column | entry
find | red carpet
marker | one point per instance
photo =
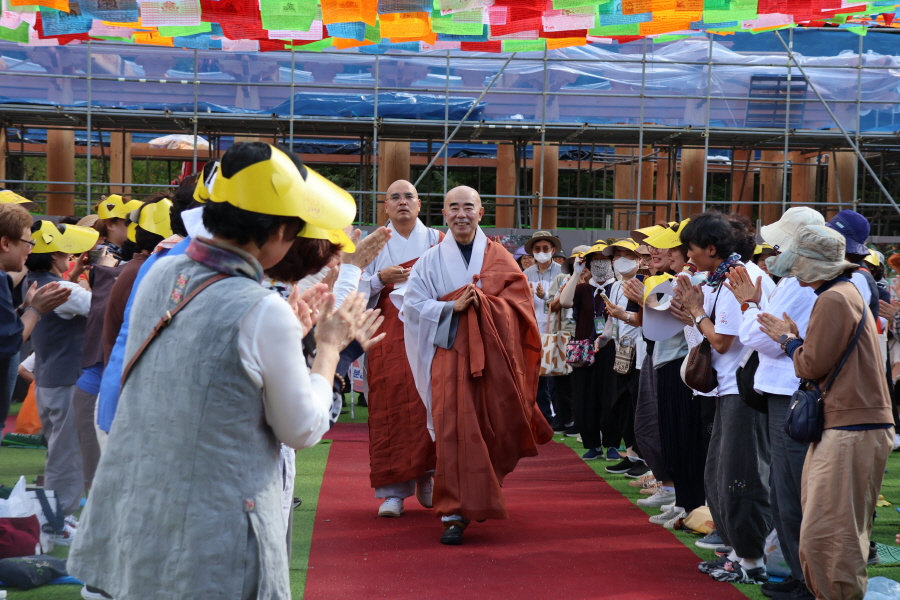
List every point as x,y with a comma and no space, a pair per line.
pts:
570,535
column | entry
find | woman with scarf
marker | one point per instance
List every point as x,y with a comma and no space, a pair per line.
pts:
593,386
737,465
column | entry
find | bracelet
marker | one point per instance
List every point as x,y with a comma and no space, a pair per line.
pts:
628,318
36,311
341,379
378,274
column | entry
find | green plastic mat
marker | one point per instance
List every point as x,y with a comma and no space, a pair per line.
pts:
21,440
889,555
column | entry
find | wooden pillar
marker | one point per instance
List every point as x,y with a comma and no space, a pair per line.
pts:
120,162
771,186
663,174
506,186
803,179
60,167
647,191
841,171
3,154
691,188
551,186
393,164
624,180
742,183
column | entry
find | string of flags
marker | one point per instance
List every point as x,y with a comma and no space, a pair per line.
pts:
417,25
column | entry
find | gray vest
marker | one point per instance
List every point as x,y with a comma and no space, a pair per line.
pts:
186,502
58,343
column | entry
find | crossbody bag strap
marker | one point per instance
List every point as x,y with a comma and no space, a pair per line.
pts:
859,330
166,320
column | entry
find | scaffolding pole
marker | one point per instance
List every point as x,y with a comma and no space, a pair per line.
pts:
846,135
540,194
640,161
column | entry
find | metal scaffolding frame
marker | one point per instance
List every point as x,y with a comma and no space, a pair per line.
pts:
378,128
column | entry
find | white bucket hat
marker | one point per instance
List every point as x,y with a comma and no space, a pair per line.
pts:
780,233
815,254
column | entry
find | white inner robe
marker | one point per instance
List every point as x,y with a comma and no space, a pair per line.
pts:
438,272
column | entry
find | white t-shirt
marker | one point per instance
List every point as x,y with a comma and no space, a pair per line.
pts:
727,322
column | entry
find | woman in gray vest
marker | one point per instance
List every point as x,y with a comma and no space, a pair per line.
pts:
186,499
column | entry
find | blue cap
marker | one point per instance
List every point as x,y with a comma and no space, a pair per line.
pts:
854,227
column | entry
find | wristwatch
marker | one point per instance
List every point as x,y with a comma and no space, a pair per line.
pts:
785,339
746,305
698,320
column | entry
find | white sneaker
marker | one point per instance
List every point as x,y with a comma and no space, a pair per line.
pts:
896,441
660,498
664,516
70,528
392,507
92,593
424,492
670,524
667,507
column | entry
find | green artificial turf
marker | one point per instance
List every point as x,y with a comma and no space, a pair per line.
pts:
887,523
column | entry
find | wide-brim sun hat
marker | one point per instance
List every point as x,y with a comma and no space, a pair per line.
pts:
667,237
816,254
780,233
543,235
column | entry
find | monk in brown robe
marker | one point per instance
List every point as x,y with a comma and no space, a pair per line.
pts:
401,453
474,348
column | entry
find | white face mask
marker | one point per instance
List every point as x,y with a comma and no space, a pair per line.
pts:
624,265
543,257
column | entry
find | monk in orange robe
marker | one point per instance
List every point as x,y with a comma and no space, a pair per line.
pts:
401,453
474,349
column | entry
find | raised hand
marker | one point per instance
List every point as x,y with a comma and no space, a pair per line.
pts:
337,328
743,288
367,249
370,325
48,297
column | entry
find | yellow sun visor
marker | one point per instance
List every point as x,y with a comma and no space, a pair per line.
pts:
155,218
667,237
10,197
627,243
71,239
659,322
276,187
335,236
201,189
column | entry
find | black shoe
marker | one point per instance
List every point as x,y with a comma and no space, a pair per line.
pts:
874,559
638,469
708,566
621,467
785,587
296,503
89,592
559,427
723,550
798,593
452,535
572,432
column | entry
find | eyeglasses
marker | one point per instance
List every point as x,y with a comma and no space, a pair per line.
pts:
29,242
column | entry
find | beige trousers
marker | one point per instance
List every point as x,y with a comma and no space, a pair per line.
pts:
841,481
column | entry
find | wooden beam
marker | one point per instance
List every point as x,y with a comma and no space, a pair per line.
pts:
803,178
120,162
771,186
841,169
551,186
742,183
393,164
506,186
691,188
60,167
663,179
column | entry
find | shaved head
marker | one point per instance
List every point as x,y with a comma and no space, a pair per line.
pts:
402,203
463,211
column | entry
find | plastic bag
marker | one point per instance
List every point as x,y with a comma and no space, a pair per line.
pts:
882,588
18,504
775,563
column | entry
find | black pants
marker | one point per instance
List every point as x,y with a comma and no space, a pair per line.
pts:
646,421
626,397
681,434
593,392
544,395
737,477
562,398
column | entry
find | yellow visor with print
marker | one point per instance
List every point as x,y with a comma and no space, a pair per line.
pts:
71,239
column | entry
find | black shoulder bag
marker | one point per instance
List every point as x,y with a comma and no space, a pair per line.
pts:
806,418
